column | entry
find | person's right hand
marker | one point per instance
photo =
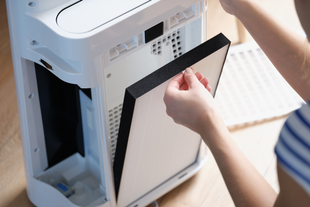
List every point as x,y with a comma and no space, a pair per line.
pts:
189,103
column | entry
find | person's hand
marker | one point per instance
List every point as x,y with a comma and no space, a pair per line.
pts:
204,81
189,102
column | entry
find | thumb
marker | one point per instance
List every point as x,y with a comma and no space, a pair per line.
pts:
190,77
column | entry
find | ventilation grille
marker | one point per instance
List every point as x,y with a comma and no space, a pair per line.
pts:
173,39
251,88
171,23
157,46
114,122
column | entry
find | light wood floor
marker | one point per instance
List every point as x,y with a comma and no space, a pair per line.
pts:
207,188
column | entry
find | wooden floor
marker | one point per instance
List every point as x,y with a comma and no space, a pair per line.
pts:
207,188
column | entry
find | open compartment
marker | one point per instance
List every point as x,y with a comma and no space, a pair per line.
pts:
71,151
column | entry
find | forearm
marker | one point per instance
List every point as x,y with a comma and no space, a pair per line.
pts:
245,184
284,48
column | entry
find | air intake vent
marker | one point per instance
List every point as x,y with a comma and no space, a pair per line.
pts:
114,121
174,39
176,44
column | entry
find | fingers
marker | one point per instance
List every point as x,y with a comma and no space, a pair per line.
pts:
176,82
199,76
184,86
183,81
173,87
190,78
205,83
209,88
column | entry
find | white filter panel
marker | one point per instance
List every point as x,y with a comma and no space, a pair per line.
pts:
151,147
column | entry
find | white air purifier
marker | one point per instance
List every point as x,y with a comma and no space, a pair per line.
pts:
85,142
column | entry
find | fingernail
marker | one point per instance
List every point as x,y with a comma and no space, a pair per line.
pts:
189,70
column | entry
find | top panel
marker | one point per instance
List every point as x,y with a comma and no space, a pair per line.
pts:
85,16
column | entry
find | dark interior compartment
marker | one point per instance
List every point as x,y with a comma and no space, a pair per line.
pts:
61,116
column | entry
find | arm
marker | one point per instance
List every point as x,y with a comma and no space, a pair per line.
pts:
286,50
195,108
245,184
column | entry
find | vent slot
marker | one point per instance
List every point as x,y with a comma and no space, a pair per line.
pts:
176,44
174,39
157,46
114,121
